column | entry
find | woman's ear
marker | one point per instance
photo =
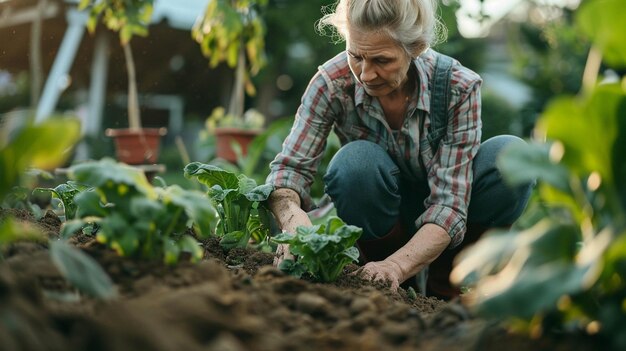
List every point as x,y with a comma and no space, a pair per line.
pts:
418,49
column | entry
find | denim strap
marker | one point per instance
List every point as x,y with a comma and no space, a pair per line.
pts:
439,100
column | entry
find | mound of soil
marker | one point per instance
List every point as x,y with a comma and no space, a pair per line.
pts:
229,301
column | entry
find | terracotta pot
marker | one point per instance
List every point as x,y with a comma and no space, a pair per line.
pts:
225,137
137,146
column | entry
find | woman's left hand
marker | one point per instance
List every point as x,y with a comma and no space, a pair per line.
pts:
384,271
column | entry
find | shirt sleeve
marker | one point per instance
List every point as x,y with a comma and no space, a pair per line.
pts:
450,173
295,166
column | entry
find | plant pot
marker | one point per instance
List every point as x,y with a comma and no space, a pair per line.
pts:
137,146
225,137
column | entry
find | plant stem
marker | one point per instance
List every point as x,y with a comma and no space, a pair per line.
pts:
134,119
235,106
170,227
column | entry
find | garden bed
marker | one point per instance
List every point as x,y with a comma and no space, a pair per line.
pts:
234,301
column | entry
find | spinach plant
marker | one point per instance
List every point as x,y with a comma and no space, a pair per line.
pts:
323,250
239,202
563,266
135,218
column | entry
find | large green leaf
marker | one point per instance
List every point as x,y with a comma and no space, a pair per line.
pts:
81,270
112,177
603,21
43,146
525,163
211,175
534,290
523,273
587,128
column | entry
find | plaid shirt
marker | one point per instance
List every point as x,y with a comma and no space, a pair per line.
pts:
334,98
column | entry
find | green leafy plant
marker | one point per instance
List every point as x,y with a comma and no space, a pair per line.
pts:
64,194
128,18
232,31
40,147
323,250
135,218
239,202
563,267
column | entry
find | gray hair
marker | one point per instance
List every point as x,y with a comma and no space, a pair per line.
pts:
413,24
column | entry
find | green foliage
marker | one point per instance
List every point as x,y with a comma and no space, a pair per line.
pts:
229,26
127,17
135,218
82,271
38,146
65,193
564,267
41,146
549,57
323,250
238,200
605,33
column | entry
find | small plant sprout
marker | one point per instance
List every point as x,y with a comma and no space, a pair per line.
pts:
323,250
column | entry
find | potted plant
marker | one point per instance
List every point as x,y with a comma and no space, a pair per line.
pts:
232,32
135,144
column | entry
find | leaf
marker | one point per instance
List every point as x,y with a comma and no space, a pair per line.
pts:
352,253
81,270
37,146
526,163
534,291
69,228
88,204
211,175
192,246
197,207
260,193
587,128
216,193
603,21
234,239
108,175
292,268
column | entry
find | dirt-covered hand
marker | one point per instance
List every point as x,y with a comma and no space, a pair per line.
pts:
282,253
384,271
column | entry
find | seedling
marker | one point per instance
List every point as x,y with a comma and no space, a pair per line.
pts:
323,250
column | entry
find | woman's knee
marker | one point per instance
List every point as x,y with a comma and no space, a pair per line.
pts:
361,165
493,201
363,182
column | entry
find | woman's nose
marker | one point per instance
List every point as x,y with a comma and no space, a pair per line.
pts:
368,73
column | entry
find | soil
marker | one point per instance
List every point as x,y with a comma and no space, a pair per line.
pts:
229,301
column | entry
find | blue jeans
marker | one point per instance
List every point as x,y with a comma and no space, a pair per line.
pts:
369,191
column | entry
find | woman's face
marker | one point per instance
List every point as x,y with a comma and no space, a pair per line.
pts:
377,62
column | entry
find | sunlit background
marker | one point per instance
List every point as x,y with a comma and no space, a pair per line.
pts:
525,50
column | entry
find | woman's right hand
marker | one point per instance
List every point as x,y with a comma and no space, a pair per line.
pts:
282,253
285,205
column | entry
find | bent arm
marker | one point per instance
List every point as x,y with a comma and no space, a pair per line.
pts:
423,248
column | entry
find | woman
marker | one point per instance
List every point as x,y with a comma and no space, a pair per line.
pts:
411,159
